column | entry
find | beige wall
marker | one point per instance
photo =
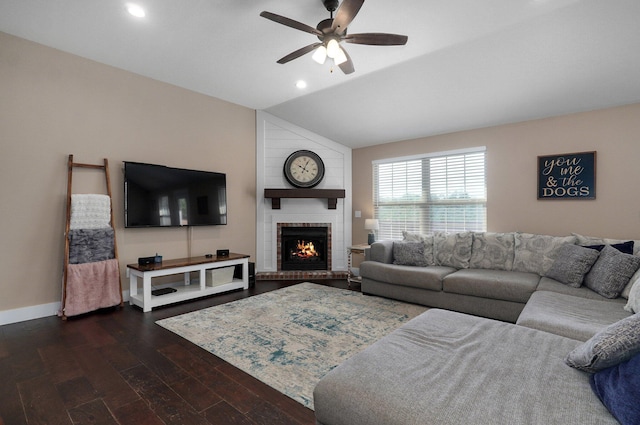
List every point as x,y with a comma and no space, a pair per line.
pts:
512,152
53,104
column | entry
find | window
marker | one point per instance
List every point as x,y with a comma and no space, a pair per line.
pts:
430,193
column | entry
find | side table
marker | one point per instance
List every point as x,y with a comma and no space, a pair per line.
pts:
354,249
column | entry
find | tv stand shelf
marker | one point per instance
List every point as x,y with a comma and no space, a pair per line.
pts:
185,290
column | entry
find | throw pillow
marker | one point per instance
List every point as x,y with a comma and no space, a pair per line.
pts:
611,272
409,254
633,304
492,251
452,249
536,253
612,345
618,387
428,244
624,247
572,264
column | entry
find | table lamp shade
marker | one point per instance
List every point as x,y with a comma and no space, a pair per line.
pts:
372,225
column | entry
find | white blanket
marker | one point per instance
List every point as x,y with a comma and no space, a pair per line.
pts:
90,211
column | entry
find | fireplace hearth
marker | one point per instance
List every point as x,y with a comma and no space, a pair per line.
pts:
304,248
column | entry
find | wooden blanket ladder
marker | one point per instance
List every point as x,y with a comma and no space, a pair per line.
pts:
105,168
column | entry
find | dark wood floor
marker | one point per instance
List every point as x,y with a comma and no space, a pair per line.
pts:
119,367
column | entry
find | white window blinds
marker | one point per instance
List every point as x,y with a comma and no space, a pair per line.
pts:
440,192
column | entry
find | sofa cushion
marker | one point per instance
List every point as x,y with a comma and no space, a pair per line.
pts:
624,247
612,345
594,240
450,368
427,240
452,249
627,289
536,253
409,253
633,304
618,387
611,272
572,263
566,315
551,285
418,277
492,251
494,284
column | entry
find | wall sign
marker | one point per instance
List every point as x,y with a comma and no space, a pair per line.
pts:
567,176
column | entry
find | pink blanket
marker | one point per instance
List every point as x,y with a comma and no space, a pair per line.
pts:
91,286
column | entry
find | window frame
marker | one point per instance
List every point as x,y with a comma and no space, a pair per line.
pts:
418,213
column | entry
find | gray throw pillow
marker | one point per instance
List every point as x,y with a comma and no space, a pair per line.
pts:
428,244
572,264
614,344
409,254
611,272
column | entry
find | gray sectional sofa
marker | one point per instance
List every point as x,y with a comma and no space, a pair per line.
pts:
513,312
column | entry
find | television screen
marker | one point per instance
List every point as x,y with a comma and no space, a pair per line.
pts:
159,196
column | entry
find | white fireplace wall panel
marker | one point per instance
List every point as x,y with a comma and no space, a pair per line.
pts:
276,140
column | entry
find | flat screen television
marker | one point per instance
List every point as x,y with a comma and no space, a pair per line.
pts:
160,196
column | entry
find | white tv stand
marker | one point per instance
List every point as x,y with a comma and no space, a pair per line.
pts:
184,290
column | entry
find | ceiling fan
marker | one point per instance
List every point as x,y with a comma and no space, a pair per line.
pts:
332,31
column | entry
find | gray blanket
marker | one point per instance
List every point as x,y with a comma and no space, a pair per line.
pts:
91,245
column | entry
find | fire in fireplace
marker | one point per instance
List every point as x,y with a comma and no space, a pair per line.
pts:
304,248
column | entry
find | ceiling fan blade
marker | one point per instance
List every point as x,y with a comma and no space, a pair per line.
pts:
290,23
377,39
294,55
347,67
345,14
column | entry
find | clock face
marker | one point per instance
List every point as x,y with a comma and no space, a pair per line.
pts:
304,169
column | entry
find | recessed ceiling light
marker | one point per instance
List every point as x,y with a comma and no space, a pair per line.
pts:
301,84
136,10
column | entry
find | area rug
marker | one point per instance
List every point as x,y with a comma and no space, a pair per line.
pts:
290,338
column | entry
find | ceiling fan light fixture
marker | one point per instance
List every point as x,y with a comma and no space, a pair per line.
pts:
333,47
340,57
320,55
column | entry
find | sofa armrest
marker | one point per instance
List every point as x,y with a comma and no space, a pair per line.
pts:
382,251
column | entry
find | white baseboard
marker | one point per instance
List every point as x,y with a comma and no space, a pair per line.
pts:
36,312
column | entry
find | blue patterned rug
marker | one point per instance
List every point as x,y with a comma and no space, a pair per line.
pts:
291,337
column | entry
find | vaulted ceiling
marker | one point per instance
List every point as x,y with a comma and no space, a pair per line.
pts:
467,64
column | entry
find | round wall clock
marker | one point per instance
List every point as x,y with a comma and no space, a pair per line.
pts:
304,169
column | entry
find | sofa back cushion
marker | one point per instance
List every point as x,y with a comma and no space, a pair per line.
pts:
633,304
594,240
536,253
493,251
452,249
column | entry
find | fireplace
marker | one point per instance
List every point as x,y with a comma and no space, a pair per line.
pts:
304,247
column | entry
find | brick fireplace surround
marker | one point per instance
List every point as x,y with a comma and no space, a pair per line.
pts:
301,274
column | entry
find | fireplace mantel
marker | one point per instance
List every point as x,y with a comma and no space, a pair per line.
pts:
331,195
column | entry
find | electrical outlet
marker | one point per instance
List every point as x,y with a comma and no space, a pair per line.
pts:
358,214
